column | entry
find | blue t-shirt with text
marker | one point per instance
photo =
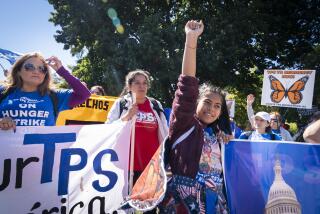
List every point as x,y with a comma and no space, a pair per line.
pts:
32,109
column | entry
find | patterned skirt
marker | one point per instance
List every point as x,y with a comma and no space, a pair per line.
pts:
200,195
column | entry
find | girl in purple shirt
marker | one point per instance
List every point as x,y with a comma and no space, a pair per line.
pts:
198,124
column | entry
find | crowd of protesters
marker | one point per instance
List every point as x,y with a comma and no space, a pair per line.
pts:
199,121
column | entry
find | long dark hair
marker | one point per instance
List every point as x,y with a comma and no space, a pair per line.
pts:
99,88
131,77
268,129
223,122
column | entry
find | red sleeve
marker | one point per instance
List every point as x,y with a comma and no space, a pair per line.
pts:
183,107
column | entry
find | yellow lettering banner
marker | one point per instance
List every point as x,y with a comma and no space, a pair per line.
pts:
93,111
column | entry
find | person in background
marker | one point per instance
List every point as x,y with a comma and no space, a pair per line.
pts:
286,127
97,90
29,99
262,129
6,74
199,122
276,125
275,120
151,125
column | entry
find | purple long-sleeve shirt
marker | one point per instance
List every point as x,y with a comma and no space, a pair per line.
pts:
80,92
184,158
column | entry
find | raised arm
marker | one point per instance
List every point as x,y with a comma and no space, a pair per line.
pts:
80,92
185,101
193,30
250,112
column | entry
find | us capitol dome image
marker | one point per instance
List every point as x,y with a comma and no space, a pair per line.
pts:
281,198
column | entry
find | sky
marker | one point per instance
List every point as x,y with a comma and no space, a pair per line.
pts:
25,28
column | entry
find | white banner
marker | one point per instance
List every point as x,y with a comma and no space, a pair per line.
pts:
66,169
288,88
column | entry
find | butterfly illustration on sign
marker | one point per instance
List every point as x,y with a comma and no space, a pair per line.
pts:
293,93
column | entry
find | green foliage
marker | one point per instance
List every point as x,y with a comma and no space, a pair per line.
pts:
241,39
293,127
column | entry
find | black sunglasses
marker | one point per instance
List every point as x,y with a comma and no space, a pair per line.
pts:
30,67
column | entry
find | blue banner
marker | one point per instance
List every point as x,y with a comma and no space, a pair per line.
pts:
272,177
9,55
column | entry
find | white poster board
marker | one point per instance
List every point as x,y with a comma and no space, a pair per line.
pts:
288,88
231,104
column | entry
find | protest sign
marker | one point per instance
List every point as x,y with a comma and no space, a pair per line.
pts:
288,88
65,169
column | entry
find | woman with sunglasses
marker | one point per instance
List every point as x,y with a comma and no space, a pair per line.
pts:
28,100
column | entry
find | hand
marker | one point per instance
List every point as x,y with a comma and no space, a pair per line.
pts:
193,30
132,111
250,99
225,138
7,123
54,63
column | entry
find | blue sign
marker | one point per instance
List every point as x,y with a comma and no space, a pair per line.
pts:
272,177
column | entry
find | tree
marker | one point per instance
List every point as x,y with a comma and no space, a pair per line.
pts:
241,39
